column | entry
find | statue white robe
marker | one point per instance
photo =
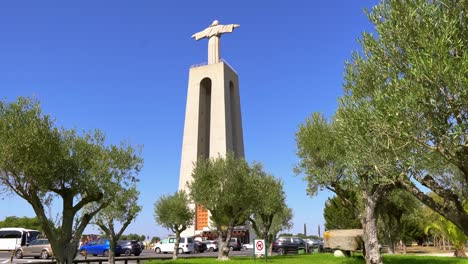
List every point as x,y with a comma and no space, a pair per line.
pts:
213,33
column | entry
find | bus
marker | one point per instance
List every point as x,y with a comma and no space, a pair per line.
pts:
11,238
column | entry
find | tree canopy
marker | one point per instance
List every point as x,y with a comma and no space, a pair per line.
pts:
270,213
410,97
173,212
225,187
24,222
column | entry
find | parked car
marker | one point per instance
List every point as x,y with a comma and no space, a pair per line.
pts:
235,244
167,245
142,245
38,248
247,246
199,247
314,244
211,245
99,247
130,247
284,245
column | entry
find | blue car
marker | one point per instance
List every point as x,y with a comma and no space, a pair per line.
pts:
99,247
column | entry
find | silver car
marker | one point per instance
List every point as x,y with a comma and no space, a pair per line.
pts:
39,248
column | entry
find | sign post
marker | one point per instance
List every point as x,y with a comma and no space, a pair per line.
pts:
260,248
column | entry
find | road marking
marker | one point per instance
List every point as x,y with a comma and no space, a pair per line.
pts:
6,261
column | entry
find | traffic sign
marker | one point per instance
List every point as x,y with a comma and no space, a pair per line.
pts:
259,247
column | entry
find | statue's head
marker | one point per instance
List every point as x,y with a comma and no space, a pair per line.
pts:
215,23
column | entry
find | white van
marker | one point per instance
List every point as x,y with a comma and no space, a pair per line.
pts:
167,245
13,238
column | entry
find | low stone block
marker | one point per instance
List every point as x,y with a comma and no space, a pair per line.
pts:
343,239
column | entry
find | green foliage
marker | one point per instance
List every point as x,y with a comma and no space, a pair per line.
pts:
173,212
321,154
155,239
121,211
24,222
270,213
439,224
339,215
407,97
133,236
226,187
400,217
42,163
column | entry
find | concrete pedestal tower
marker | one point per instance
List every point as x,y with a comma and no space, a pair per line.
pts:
213,123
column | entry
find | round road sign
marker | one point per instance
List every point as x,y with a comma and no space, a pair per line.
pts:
259,245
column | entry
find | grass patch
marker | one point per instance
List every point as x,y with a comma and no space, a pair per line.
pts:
320,258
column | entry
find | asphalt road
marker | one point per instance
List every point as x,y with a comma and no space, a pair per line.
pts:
5,256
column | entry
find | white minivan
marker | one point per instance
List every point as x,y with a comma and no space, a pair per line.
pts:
167,245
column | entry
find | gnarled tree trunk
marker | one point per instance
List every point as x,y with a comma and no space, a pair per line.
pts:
176,245
369,223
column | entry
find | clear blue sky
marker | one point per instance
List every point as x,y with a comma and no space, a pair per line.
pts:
122,66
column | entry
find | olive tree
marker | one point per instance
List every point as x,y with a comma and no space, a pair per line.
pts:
225,187
411,76
270,204
173,212
339,158
121,212
42,163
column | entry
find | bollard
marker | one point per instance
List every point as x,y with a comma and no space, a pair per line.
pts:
12,255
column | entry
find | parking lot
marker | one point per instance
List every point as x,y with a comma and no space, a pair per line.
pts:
5,256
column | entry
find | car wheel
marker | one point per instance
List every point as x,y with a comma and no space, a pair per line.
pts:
231,248
44,254
180,251
106,253
19,254
211,249
157,250
280,251
128,252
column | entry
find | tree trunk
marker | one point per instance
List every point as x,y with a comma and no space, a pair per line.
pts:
391,248
112,245
270,248
227,245
369,223
111,258
176,245
460,252
222,246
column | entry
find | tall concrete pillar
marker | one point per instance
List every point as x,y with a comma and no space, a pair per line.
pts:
213,124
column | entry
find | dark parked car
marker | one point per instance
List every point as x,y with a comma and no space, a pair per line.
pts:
130,247
199,247
284,245
99,247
